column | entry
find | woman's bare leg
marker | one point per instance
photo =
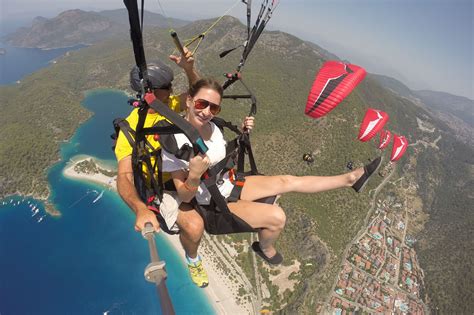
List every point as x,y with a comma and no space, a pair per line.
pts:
257,187
270,219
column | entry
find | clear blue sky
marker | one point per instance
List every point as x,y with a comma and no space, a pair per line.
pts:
427,44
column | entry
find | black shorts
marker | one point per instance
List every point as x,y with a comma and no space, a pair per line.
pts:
217,222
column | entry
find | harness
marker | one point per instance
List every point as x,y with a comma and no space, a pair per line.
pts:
150,185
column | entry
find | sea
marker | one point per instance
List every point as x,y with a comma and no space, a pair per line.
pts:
16,62
89,260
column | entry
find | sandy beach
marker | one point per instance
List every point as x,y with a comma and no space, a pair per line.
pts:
221,291
98,178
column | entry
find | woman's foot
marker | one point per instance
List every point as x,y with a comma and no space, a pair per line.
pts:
274,259
369,169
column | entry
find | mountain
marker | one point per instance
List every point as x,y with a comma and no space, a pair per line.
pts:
455,111
433,179
394,85
458,106
69,28
120,16
74,27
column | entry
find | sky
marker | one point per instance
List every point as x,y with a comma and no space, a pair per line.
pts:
426,44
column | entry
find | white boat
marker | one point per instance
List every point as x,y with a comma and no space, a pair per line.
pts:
41,218
35,212
98,197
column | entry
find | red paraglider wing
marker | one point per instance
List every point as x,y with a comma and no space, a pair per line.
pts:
373,122
385,137
332,84
400,145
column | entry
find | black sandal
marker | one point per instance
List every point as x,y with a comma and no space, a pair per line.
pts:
275,260
369,169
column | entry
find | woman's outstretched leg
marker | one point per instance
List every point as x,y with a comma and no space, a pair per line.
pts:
257,187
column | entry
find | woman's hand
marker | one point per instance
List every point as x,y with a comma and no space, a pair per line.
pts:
248,123
198,165
185,61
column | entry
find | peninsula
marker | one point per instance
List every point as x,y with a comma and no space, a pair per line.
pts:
90,169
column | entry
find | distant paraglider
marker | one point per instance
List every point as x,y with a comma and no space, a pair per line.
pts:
350,165
332,84
308,158
373,122
385,137
399,147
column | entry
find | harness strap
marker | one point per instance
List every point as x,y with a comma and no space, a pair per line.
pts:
180,122
129,133
239,181
136,37
246,147
217,197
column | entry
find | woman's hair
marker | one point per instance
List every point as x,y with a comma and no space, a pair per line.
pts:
206,83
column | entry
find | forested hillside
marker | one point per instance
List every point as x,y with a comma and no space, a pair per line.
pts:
44,109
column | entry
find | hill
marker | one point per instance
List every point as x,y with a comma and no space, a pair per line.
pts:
74,27
120,16
437,168
457,106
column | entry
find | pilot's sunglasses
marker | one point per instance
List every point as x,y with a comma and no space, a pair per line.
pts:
201,104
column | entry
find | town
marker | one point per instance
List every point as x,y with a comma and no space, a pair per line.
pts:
381,273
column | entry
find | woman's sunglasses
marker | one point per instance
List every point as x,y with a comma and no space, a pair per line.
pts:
201,104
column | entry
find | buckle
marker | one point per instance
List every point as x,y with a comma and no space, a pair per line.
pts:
153,203
236,179
240,181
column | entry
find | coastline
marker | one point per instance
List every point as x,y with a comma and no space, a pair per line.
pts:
98,178
220,292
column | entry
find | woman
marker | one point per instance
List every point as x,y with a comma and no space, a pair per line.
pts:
203,103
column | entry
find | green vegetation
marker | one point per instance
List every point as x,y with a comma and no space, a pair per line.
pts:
90,167
44,110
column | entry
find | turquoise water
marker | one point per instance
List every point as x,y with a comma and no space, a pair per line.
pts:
90,260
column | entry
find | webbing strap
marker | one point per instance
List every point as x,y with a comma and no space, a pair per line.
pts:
156,182
246,147
138,152
127,131
216,195
136,36
189,131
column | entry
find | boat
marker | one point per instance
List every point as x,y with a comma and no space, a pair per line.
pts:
35,212
98,197
41,218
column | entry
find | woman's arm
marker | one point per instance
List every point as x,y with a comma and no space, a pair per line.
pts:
187,182
186,62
